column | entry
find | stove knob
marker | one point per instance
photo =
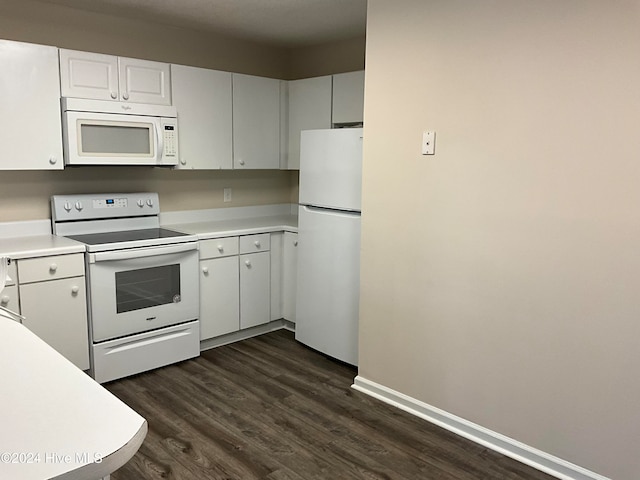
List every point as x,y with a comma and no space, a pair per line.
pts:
140,203
79,206
149,202
67,206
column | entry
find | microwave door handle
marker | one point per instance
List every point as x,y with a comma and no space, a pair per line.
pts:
142,252
160,142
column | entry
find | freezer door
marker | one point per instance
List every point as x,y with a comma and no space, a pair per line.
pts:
331,168
328,290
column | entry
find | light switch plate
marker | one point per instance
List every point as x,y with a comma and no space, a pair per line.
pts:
428,143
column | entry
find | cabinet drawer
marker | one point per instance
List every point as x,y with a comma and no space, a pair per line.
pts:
12,274
50,268
218,247
255,243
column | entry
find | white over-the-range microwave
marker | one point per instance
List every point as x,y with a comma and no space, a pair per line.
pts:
99,132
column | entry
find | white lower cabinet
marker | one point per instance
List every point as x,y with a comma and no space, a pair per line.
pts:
219,297
56,311
255,293
289,273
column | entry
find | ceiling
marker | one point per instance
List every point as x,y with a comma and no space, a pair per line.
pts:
282,23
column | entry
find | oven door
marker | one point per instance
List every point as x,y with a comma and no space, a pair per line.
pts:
141,289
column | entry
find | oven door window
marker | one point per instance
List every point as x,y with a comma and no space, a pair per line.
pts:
147,287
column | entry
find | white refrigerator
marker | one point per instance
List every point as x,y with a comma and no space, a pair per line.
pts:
328,290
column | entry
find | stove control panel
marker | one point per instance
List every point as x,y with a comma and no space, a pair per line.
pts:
100,206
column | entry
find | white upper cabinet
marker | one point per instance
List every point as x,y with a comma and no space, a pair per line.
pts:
309,107
106,77
348,98
203,99
256,122
30,127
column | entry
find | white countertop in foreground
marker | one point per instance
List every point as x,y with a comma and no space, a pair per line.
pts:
56,421
240,226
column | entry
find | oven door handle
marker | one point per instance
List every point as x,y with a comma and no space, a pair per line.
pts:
142,252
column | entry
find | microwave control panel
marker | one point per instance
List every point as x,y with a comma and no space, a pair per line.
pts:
170,140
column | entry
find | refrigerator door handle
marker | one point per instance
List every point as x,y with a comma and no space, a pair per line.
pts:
331,211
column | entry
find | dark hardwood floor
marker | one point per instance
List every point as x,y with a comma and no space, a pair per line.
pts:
270,408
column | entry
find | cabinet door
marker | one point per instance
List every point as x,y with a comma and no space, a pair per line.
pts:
144,81
289,276
9,299
348,98
219,297
255,294
30,126
256,122
204,102
88,75
56,311
309,108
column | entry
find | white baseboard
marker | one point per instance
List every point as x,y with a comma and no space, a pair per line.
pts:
495,441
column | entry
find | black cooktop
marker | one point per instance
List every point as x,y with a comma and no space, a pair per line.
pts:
126,236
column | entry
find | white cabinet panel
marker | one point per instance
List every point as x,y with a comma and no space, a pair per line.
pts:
219,297
203,99
30,99
9,299
107,77
56,311
289,276
144,81
309,108
255,294
88,75
348,97
256,122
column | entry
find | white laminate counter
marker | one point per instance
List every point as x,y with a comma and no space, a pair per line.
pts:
38,246
241,226
56,421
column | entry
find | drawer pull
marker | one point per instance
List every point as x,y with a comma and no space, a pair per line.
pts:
295,243
205,270
220,248
5,300
74,290
247,263
257,243
53,267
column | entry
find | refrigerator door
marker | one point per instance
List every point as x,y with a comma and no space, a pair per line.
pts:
331,168
327,300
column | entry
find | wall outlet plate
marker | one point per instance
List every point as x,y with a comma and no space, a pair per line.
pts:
227,195
428,143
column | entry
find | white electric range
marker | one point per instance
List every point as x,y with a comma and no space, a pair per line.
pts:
142,281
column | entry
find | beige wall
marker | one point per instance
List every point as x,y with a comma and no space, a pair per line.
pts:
500,277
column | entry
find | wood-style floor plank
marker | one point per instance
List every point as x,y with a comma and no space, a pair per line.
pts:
269,408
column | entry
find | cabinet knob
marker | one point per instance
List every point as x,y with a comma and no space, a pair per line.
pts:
257,243
295,243
247,263
4,300
53,160
114,95
220,248
74,290
53,267
183,161
205,270
125,95
241,162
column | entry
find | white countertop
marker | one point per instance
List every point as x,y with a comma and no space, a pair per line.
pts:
38,246
56,421
240,226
